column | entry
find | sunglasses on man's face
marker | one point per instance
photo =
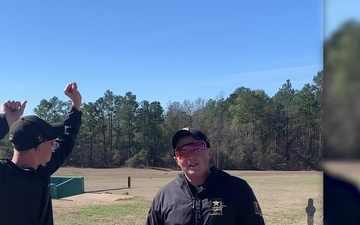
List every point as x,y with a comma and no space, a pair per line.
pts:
185,150
52,143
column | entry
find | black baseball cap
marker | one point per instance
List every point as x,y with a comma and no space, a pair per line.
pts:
30,131
195,133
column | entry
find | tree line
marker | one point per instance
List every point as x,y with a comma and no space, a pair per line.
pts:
247,130
342,85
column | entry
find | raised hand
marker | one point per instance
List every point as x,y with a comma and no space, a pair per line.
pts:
13,110
71,90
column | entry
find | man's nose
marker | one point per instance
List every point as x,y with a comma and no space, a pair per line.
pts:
192,154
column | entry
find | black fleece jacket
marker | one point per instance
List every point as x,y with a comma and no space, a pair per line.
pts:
222,199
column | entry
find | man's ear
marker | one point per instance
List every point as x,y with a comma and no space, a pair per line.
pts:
210,153
176,161
38,148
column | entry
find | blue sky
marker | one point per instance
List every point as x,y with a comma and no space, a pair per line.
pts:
162,51
338,12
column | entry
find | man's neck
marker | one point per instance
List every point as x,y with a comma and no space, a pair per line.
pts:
24,160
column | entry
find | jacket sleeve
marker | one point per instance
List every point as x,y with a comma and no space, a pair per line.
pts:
250,212
154,215
4,127
65,143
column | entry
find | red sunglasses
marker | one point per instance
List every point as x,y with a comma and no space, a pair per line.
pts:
191,147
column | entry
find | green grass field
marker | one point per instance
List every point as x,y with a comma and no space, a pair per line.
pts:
283,196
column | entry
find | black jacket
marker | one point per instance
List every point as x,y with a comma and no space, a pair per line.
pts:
4,127
222,200
341,201
25,197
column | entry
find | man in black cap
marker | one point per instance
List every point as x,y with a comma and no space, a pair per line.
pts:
202,194
40,148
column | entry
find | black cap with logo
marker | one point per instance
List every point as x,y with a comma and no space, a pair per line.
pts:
30,131
195,133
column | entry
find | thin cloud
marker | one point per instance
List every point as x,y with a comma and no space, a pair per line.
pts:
273,75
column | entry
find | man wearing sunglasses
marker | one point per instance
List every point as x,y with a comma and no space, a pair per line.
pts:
202,194
40,148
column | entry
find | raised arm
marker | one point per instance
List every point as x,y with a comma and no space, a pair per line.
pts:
67,141
71,90
10,112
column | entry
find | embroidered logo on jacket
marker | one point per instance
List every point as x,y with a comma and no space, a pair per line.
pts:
257,209
216,207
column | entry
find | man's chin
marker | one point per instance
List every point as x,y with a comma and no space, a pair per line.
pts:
193,171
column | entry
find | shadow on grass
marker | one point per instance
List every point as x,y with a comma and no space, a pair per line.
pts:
161,169
108,189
